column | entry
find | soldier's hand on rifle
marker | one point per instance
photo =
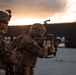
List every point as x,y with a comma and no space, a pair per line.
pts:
47,43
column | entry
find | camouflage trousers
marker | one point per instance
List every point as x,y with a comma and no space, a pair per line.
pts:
24,70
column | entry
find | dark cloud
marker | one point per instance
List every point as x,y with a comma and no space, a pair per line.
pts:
39,8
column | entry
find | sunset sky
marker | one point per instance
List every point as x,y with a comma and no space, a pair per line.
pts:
26,12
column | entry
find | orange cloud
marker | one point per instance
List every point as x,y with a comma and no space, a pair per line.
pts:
35,8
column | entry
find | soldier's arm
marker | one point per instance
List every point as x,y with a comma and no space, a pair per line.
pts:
39,51
34,49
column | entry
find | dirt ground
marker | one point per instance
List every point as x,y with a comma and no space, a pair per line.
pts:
63,64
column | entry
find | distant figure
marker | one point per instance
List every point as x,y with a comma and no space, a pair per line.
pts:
5,50
28,49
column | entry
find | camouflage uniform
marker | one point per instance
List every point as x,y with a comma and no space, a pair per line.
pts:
5,50
29,48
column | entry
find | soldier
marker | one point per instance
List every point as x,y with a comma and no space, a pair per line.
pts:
5,50
29,48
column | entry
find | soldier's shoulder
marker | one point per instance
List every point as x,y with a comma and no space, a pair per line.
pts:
19,36
29,39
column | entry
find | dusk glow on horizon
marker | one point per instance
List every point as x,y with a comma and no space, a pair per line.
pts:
25,12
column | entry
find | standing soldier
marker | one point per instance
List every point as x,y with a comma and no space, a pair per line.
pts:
5,50
29,49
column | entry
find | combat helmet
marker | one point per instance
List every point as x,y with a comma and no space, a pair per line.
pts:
5,16
37,29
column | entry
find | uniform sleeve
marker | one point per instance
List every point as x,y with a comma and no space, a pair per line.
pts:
5,52
35,49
